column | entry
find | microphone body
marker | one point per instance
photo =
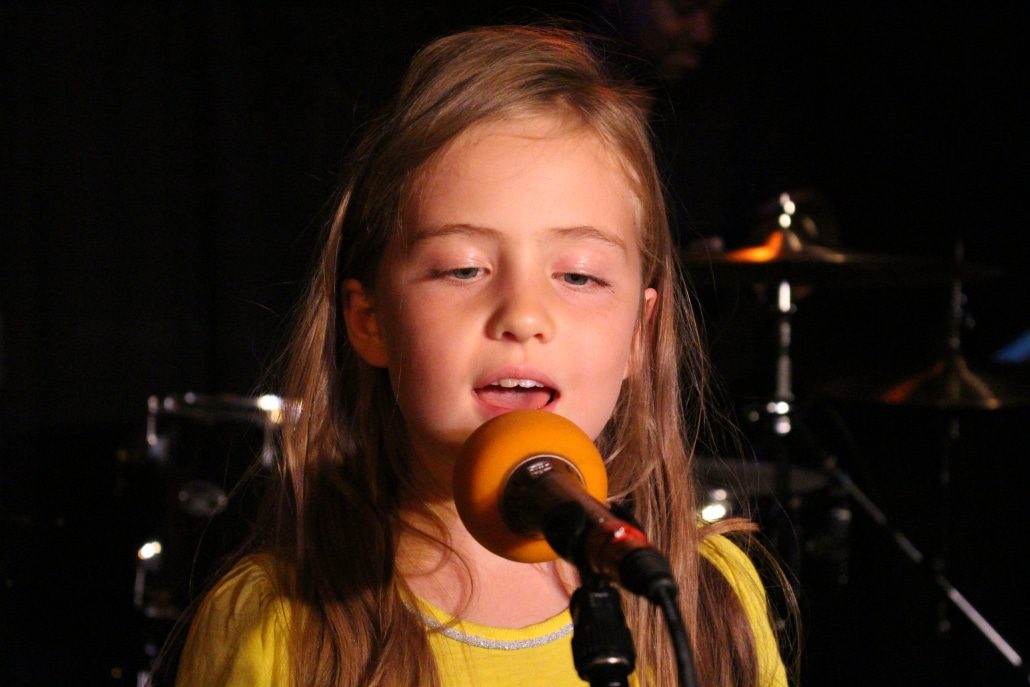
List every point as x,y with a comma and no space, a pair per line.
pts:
530,486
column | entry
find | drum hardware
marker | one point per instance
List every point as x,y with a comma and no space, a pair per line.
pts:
267,411
785,264
948,384
743,478
951,387
785,256
200,451
747,488
202,499
730,483
776,262
947,591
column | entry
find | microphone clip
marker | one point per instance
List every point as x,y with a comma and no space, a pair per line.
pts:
602,646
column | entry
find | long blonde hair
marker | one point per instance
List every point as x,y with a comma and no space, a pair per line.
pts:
345,470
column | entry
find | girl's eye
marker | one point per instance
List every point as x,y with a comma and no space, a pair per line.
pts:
464,273
577,279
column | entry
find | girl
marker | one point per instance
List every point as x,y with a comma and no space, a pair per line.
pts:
501,243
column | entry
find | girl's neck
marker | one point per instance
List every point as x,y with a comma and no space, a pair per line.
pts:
464,579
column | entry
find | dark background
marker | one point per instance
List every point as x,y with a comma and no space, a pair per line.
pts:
166,172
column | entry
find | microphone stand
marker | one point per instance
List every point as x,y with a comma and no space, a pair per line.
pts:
582,530
602,648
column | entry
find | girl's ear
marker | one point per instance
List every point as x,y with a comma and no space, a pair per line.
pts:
646,314
650,298
362,328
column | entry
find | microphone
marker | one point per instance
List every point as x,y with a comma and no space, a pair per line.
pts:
530,486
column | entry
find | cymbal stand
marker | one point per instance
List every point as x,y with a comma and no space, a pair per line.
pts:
946,589
780,408
956,375
949,386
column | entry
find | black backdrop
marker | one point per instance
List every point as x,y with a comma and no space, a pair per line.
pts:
166,173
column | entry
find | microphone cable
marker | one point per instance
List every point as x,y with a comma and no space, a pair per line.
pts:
664,596
647,573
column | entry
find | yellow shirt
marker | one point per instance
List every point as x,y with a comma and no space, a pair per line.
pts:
239,636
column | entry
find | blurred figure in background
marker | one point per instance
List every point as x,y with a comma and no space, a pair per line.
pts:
718,110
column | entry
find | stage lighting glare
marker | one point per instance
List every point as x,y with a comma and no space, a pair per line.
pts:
149,550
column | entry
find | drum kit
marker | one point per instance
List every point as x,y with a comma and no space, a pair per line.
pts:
205,455
780,486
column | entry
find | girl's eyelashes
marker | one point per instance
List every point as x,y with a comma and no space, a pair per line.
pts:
580,279
458,273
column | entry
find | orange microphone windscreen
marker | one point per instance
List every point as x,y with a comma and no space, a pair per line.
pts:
492,453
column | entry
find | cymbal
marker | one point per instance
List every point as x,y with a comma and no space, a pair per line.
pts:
783,257
949,384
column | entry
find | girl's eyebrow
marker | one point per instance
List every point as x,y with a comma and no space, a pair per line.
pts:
588,232
592,233
443,230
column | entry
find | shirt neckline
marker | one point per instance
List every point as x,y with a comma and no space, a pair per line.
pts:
488,637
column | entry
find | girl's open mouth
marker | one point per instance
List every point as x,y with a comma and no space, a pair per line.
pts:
517,394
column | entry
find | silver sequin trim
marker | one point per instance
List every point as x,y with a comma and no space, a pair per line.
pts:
484,643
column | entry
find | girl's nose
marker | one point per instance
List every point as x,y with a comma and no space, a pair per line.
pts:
521,314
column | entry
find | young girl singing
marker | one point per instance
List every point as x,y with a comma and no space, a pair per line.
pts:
500,243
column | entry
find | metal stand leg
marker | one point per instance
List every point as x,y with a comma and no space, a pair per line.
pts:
781,408
949,592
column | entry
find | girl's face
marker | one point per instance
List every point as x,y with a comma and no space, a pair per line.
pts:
521,286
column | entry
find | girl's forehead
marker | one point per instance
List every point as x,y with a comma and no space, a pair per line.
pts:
515,143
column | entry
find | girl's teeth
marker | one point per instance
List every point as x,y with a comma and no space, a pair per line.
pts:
509,383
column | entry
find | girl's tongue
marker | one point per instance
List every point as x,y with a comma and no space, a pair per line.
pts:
515,398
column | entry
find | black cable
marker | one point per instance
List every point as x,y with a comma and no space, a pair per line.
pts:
665,597
646,572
